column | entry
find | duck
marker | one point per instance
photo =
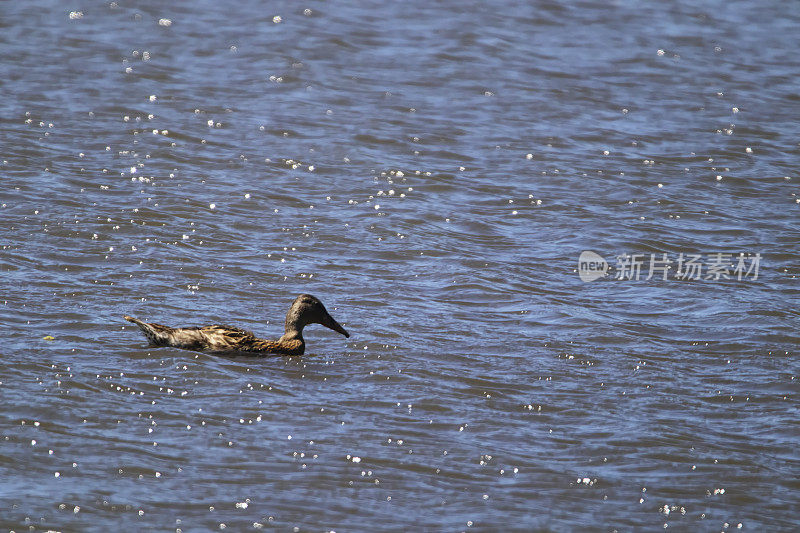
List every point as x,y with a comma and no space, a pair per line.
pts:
229,340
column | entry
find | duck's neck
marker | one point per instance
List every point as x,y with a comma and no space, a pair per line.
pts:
293,327
293,333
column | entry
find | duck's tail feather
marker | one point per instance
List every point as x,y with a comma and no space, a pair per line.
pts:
155,333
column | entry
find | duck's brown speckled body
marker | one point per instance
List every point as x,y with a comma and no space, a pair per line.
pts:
227,340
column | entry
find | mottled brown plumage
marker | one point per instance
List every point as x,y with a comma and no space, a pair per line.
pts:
228,340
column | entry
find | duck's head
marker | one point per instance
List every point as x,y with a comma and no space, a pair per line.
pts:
307,309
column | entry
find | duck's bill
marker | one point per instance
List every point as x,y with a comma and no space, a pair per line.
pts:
329,322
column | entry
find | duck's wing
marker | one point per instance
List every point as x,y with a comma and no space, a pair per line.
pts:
224,339
230,331
221,338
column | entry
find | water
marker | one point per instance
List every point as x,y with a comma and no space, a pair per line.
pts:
210,167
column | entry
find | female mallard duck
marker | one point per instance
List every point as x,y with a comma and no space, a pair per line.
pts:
222,340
